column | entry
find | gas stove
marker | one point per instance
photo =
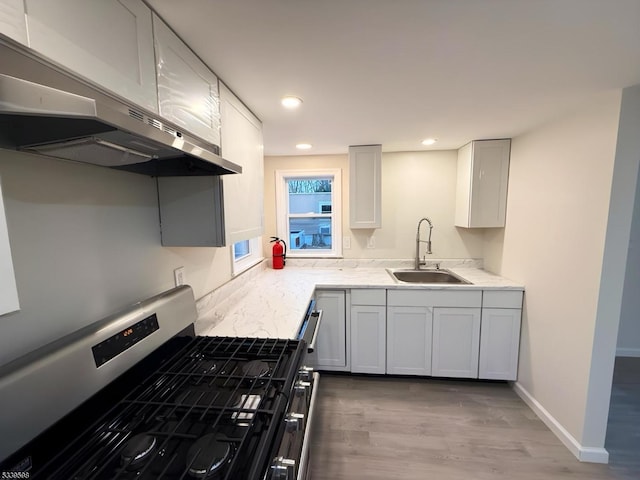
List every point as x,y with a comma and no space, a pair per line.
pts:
193,407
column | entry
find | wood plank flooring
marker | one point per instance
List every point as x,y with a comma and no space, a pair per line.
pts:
369,427
623,428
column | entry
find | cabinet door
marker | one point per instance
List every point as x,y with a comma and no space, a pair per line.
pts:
409,340
12,22
187,89
242,144
331,343
109,42
456,342
499,343
368,339
365,170
8,291
481,190
191,211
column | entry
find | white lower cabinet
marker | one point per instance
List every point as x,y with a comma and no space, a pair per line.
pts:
427,332
456,342
409,340
368,339
499,343
331,343
368,330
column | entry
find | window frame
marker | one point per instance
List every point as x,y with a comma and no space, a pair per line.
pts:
247,261
282,210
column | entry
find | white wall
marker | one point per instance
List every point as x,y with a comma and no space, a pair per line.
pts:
85,242
614,263
559,187
414,185
629,333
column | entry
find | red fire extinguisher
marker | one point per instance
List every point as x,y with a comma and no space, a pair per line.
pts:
278,252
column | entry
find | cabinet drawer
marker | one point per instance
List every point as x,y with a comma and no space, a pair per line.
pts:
437,298
369,296
502,299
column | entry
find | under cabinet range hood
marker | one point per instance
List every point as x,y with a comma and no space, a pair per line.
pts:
99,130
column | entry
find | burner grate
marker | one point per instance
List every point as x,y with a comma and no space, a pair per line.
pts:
207,394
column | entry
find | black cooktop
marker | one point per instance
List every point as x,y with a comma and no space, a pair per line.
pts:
203,407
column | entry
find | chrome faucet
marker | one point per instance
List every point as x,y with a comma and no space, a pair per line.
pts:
418,241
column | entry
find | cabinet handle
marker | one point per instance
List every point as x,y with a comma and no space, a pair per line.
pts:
312,345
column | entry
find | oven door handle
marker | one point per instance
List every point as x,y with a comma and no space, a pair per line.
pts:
312,345
304,457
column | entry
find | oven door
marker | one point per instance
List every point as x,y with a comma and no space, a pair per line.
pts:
292,459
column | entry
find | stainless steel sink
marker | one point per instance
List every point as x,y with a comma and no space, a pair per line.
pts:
426,276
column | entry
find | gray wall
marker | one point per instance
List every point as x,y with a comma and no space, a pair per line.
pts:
85,242
629,333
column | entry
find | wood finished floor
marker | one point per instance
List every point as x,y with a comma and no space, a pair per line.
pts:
623,428
409,428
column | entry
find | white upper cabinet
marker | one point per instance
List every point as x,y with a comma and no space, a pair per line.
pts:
187,89
242,144
12,21
365,170
191,211
108,42
8,291
481,193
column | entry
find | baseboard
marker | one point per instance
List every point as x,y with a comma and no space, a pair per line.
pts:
628,352
582,453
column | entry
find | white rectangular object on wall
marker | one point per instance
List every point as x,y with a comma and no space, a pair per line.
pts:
365,185
482,179
8,291
243,194
109,43
12,20
188,93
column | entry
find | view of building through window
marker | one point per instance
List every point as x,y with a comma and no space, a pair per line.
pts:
310,213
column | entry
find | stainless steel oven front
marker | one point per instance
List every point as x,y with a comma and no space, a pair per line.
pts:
292,459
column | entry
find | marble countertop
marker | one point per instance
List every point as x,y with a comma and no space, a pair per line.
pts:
272,303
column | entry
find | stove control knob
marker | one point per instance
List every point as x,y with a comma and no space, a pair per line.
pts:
306,373
283,469
302,387
294,422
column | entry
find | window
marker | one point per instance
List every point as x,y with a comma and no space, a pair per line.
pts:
246,254
241,250
308,212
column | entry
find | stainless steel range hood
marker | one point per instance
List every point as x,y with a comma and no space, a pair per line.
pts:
92,127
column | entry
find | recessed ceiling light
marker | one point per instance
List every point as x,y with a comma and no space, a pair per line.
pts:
429,141
303,146
291,101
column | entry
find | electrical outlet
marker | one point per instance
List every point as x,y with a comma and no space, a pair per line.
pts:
179,276
371,242
346,242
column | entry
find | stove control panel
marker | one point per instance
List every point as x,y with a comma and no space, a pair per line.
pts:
121,341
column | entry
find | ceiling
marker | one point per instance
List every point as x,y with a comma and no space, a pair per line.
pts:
398,71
